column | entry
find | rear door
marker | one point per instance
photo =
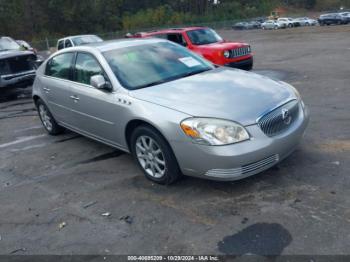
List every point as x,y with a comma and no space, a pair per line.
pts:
56,85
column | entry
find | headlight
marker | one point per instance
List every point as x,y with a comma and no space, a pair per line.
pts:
227,54
211,131
249,49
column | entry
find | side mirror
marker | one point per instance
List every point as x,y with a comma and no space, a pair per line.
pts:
99,82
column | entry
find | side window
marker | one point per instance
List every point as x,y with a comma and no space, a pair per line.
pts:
86,66
60,66
68,43
60,45
177,38
161,36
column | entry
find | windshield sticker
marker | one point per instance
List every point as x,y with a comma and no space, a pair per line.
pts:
189,61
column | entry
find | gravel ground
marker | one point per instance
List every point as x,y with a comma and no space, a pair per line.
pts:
54,190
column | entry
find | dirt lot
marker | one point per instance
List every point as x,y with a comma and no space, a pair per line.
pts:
302,206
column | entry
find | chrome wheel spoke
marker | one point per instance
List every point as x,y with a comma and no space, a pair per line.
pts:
156,152
158,169
159,161
144,143
140,147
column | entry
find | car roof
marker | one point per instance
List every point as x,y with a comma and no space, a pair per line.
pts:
171,30
73,36
115,44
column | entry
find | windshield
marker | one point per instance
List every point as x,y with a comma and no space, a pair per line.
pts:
151,64
81,40
7,43
204,36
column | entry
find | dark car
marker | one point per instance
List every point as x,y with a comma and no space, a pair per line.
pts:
17,67
331,19
345,16
247,25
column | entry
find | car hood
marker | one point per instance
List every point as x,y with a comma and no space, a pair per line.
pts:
222,46
14,53
220,93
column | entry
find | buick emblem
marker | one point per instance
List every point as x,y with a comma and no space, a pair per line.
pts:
286,117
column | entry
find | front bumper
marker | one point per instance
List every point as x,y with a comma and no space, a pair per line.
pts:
246,64
21,79
237,161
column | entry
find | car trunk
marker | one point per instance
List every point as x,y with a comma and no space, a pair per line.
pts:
17,64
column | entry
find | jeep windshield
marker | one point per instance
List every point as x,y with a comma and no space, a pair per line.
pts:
6,43
152,64
204,36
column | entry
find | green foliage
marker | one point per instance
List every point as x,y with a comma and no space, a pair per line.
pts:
38,19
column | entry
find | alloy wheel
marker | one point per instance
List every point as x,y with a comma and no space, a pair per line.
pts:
45,117
150,156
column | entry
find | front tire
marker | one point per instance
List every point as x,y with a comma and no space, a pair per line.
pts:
154,155
47,119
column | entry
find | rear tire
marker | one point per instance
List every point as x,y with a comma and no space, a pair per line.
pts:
47,119
154,155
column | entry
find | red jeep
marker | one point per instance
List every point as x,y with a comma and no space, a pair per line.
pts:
207,43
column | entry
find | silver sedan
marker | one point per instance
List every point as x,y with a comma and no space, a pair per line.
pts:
172,110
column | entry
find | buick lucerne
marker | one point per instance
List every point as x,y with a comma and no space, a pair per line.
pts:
175,112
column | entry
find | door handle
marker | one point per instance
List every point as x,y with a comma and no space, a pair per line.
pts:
47,90
75,98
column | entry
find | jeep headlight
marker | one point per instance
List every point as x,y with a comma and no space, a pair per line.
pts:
211,131
227,54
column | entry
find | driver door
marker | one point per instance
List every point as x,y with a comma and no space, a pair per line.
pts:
96,110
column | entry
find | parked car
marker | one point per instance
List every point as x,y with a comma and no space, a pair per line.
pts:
26,46
286,22
247,25
305,21
272,24
77,40
295,22
171,109
331,19
17,67
345,16
242,26
207,43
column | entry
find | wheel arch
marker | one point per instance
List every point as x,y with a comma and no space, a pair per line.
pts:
133,124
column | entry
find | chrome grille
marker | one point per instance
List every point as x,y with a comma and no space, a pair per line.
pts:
280,119
246,170
241,51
